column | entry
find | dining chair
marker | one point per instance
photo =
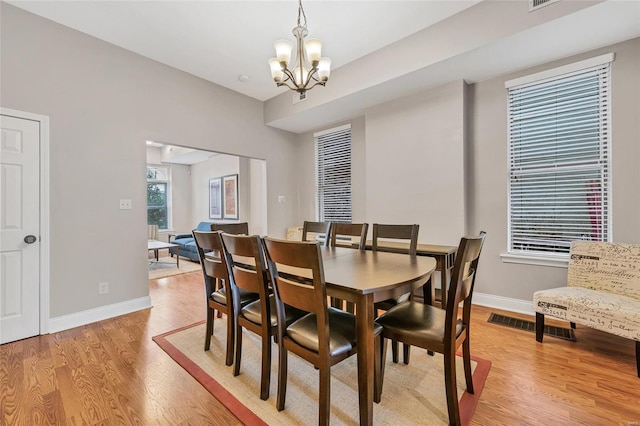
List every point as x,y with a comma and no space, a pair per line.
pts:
214,269
319,231
441,330
342,236
326,335
248,273
395,233
342,233
241,228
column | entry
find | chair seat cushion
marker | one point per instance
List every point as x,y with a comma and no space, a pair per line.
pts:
613,313
417,321
246,297
342,331
253,312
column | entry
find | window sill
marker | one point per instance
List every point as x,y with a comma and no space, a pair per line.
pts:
556,261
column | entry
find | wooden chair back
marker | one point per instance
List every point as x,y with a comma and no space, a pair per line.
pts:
241,228
318,229
215,265
216,276
462,282
297,277
247,269
396,232
349,230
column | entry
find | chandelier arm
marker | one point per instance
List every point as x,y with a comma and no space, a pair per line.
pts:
317,83
311,75
289,75
284,83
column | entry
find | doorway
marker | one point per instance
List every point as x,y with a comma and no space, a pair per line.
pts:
180,195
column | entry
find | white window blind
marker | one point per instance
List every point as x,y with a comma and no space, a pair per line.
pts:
559,130
333,175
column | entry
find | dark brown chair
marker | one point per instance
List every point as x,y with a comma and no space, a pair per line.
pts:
341,236
248,273
216,279
323,337
395,233
349,230
241,228
319,231
441,330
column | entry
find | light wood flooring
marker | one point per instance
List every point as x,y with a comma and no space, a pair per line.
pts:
111,372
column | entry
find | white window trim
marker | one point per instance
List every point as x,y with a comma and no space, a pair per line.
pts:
565,69
554,260
557,260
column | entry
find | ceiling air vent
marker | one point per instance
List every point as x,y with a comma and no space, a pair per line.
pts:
537,4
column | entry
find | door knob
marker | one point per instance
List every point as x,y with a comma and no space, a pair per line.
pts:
30,239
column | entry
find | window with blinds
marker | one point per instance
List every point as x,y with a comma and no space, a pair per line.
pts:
558,133
333,175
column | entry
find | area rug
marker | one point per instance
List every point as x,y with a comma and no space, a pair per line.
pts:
166,267
412,395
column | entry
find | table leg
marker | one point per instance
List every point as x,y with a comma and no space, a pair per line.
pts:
364,326
178,257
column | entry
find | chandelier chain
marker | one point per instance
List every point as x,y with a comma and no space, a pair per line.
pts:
301,14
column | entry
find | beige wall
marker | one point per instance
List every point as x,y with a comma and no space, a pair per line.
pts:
488,173
415,164
103,103
408,165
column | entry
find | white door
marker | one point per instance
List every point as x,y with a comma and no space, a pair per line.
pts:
19,228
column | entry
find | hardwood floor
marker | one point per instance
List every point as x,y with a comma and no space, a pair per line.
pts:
111,372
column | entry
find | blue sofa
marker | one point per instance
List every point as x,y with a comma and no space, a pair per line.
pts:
187,244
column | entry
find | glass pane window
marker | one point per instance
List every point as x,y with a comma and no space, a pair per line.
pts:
333,175
158,196
559,161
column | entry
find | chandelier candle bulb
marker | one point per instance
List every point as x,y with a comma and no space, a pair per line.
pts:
276,69
309,67
313,46
324,69
283,51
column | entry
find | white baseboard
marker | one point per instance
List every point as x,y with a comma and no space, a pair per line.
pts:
77,319
504,303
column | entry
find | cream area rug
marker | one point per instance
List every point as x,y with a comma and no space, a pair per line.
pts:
412,395
166,267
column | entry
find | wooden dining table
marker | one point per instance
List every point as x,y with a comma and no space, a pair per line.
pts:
366,277
444,256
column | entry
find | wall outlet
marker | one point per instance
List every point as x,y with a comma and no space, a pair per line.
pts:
103,287
281,199
125,204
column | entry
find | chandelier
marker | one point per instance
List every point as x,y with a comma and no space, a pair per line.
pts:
309,68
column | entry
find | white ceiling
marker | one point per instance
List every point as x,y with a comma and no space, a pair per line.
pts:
221,40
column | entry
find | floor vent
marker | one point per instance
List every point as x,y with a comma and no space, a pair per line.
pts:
520,324
537,4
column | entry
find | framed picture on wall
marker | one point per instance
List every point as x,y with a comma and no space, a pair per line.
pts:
215,198
230,190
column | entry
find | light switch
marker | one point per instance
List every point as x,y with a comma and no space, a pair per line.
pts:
281,199
125,204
